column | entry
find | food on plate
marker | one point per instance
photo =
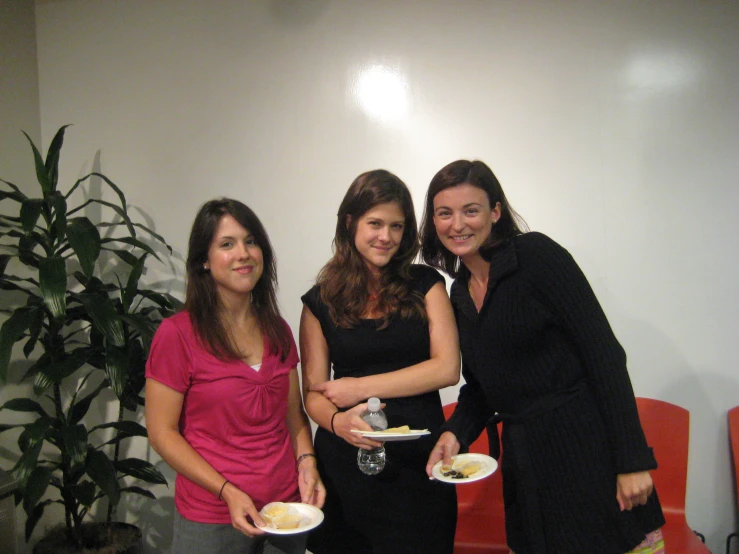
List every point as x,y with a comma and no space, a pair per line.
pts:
274,510
470,468
402,430
288,521
462,470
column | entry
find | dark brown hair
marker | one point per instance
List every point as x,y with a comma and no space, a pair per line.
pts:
479,175
202,301
344,279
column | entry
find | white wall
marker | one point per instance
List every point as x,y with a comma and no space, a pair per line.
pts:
613,126
19,101
19,109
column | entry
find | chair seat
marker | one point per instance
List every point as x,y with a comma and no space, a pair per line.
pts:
480,532
480,512
680,539
667,429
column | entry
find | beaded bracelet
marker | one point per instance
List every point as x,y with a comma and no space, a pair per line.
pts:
223,486
332,422
303,457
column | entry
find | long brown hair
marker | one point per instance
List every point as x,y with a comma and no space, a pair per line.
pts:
202,301
479,175
345,278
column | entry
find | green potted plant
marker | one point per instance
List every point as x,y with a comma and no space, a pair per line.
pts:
86,323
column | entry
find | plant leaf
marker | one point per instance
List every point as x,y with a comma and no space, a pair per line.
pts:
116,367
144,325
30,212
41,173
4,259
100,469
126,256
16,195
84,492
8,427
10,333
54,372
36,486
84,238
52,157
37,431
132,285
53,284
121,198
133,242
141,469
26,245
80,408
34,517
155,235
131,428
24,405
75,442
27,463
139,490
60,215
34,330
104,317
43,362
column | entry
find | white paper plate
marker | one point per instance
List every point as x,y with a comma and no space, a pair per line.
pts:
392,437
307,511
489,467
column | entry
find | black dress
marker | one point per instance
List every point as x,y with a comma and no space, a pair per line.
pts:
399,510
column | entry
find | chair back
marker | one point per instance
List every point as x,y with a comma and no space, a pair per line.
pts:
734,440
667,429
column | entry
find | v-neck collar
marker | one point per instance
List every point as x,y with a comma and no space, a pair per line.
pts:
263,366
503,262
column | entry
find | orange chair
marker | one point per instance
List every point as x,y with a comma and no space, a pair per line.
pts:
480,514
734,440
667,428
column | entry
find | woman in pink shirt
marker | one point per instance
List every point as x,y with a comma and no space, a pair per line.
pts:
223,405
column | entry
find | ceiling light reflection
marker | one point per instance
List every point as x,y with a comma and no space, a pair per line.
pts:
381,92
660,71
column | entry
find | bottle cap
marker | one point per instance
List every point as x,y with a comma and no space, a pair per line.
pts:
373,404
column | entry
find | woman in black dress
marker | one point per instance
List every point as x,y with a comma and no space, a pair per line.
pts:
537,350
386,329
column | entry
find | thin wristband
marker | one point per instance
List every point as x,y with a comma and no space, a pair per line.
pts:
332,421
303,457
223,486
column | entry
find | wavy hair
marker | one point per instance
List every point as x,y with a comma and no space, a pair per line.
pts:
202,301
479,175
344,280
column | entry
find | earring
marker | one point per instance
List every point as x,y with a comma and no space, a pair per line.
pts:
205,267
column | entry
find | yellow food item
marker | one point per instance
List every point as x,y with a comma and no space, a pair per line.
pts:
469,469
274,510
404,429
288,521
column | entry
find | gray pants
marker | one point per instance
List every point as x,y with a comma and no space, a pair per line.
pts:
191,537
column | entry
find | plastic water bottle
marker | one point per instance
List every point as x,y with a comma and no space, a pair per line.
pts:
372,461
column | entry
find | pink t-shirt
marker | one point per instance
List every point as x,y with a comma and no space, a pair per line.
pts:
232,415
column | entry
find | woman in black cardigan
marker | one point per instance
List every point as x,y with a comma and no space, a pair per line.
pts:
538,354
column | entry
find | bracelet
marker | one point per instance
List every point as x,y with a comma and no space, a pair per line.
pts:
332,421
223,486
303,457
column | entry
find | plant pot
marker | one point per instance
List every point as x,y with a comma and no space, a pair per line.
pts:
120,538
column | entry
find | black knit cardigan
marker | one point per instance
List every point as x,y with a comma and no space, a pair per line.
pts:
541,356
